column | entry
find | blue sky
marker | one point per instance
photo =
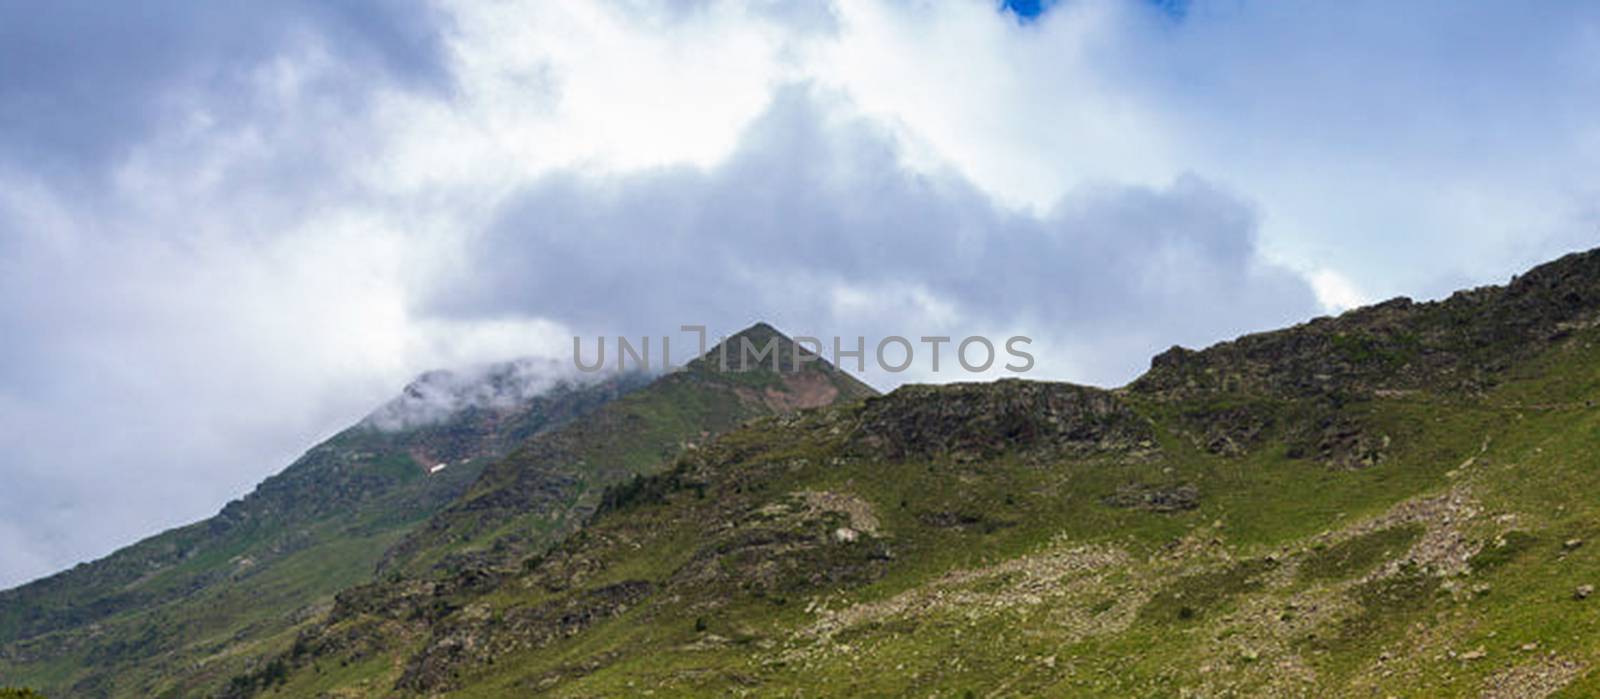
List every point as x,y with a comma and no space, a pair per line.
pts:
1029,10
229,229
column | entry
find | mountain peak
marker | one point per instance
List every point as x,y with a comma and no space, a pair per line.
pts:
760,334
555,477
760,347
760,329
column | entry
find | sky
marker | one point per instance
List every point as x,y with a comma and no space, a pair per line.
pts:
229,229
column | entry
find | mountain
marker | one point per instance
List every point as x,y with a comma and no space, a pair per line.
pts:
548,487
459,474
1394,502
127,622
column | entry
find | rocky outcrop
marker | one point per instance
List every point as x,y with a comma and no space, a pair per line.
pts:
973,421
1151,498
1461,344
477,636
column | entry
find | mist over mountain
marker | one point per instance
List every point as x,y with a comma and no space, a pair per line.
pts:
438,395
278,553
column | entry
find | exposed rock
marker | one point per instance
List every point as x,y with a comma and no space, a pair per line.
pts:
857,510
1342,443
1532,680
482,635
969,422
1229,430
1155,499
1461,344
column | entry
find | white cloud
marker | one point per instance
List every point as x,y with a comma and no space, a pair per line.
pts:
1404,147
835,237
1335,293
1027,112
600,87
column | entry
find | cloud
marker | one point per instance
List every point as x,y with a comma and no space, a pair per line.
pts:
1335,293
442,393
183,293
814,219
1407,149
86,81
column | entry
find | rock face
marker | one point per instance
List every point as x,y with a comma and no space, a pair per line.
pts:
977,421
474,635
1230,430
1294,383
1461,344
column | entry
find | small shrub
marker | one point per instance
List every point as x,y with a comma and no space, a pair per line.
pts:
1494,556
1190,596
1358,554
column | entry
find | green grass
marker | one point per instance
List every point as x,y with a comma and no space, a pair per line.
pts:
1195,595
1359,554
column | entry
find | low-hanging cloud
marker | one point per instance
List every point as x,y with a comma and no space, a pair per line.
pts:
442,393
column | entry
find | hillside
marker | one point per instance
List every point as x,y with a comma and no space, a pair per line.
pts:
129,622
519,472
548,487
1394,502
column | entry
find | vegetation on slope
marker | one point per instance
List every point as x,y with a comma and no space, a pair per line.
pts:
177,610
550,486
547,488
1343,518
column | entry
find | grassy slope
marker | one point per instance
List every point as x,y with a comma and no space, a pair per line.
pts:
219,602
551,485
1445,568
186,608
1273,585
547,489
